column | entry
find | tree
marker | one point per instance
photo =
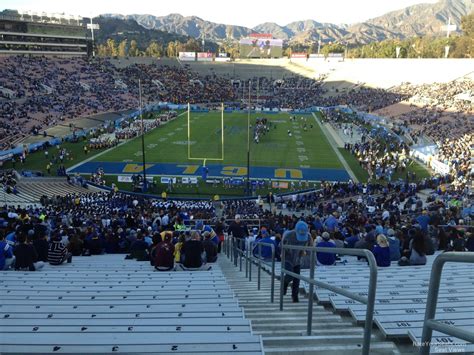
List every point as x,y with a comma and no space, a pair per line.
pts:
102,50
111,48
171,50
467,25
154,50
333,48
133,51
122,49
192,45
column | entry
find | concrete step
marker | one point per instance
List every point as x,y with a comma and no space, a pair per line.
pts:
284,332
277,321
381,348
313,339
267,332
332,325
289,312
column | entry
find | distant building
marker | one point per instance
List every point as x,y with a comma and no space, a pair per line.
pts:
45,34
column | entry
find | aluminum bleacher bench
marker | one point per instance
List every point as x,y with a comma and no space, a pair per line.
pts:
442,343
113,305
397,328
131,342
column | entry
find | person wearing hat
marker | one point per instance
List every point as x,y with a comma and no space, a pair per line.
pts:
326,258
293,258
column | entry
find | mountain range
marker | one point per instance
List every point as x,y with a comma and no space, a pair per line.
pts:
416,20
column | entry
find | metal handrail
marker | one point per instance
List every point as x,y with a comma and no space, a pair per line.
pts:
259,245
369,300
430,323
247,254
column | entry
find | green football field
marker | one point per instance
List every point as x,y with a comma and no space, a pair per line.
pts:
169,143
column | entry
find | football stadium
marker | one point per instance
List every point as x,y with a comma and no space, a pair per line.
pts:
173,185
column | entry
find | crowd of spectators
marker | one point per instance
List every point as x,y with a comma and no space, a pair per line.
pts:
8,182
167,233
50,91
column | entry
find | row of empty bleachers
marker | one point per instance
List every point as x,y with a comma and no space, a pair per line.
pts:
401,297
31,190
105,304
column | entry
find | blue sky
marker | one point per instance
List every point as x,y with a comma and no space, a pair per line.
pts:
239,12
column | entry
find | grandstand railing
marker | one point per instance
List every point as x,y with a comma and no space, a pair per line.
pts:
235,248
369,300
430,322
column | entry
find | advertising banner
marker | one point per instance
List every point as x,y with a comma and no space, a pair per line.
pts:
187,56
298,55
204,57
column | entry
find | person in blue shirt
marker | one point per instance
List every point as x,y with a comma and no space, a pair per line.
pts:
352,239
6,254
381,251
266,251
423,220
394,245
331,222
326,258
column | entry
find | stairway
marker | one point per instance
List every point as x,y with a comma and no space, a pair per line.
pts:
284,332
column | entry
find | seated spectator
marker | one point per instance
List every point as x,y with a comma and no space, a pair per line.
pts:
57,252
92,243
326,258
177,249
417,249
139,249
394,245
42,246
192,252
75,245
7,258
26,256
382,251
210,248
352,239
164,254
470,241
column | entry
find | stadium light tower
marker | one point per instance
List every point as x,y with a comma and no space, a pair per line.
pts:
143,135
93,26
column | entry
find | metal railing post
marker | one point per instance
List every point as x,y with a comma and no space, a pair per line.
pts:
272,295
311,294
241,254
250,268
259,265
369,314
368,301
430,323
282,276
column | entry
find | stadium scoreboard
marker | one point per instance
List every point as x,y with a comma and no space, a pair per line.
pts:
261,46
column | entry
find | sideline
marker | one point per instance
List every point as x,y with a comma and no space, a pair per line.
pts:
75,166
331,141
